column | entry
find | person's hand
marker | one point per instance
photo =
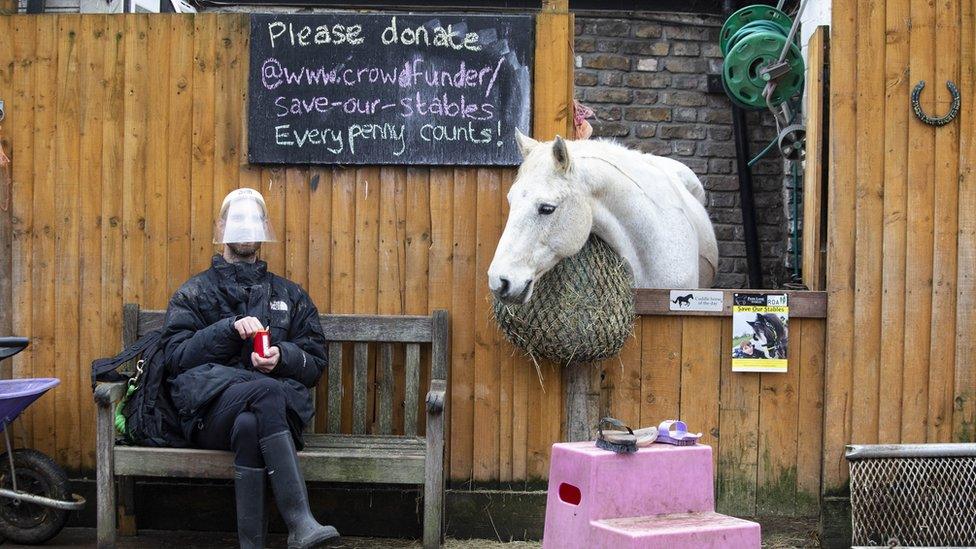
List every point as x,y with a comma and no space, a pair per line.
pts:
266,364
247,326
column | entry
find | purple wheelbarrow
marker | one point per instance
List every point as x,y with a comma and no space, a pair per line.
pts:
34,493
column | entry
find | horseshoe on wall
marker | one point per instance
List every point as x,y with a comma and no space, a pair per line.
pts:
942,120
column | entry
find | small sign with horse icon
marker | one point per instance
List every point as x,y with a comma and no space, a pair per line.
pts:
760,332
696,300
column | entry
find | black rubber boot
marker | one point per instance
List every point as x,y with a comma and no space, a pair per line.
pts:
292,495
249,492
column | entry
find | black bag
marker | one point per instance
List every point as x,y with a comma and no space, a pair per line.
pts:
150,416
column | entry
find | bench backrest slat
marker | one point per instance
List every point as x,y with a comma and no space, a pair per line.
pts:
361,331
384,390
412,389
400,329
335,388
360,361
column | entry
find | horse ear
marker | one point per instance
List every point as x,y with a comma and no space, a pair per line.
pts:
525,143
561,154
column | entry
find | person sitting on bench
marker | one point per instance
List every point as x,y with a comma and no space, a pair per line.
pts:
230,397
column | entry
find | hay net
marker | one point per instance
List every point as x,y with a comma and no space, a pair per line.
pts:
914,501
580,311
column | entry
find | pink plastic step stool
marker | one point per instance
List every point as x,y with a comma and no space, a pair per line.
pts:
661,496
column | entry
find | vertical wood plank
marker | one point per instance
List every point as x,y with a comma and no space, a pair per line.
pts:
320,236
202,207
869,224
343,265
359,388
895,204
814,228
486,364
945,210
840,243
918,285
391,267
44,277
228,49
137,82
7,70
367,239
507,415
523,378
417,244
738,448
440,276
320,258
20,123
622,380
274,182
335,387
660,369
112,159
384,390
390,297
412,390
295,238
700,364
811,418
93,94
553,96
463,343
366,283
157,166
179,154
66,254
964,410
778,428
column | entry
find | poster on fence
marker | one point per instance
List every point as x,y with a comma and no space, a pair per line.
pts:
760,332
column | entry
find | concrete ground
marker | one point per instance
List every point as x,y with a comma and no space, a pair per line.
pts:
777,534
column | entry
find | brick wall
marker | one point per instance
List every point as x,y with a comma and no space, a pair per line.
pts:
645,75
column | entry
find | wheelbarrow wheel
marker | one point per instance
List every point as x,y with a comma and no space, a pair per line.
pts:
37,474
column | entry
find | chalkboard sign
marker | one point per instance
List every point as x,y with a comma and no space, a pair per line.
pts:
389,89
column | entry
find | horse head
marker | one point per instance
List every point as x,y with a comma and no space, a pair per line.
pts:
550,217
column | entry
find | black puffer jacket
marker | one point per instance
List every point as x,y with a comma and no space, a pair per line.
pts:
205,354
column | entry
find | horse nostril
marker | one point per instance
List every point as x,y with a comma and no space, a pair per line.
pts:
503,289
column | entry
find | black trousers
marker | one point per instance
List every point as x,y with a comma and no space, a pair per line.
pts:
241,416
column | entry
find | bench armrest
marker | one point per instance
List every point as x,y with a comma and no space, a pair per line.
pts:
108,394
436,396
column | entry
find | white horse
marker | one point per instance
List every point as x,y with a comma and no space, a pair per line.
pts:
649,209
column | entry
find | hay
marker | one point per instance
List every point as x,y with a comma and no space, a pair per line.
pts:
580,311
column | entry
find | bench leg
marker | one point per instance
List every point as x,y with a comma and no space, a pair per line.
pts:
127,506
434,482
105,476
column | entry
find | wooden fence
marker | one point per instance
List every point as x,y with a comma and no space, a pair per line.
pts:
901,251
127,131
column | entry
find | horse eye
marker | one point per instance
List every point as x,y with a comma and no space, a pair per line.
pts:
546,209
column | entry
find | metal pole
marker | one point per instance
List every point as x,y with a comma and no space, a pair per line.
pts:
10,454
751,235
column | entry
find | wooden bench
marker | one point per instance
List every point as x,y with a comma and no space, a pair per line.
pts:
380,457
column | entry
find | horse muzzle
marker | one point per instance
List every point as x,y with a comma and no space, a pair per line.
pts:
509,292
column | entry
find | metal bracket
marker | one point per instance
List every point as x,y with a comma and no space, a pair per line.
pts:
937,121
774,70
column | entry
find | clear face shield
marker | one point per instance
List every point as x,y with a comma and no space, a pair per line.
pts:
243,219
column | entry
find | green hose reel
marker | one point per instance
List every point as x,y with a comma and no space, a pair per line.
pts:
752,40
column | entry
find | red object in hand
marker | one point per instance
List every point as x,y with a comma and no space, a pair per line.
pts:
262,340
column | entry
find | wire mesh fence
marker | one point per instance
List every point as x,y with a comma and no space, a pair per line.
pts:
913,499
